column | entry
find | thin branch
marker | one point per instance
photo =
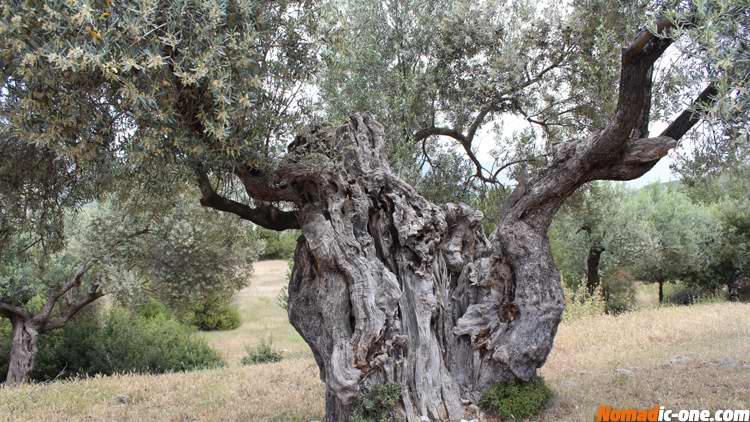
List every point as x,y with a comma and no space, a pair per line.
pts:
30,245
55,295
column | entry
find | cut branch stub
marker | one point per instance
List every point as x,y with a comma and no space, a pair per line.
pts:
390,288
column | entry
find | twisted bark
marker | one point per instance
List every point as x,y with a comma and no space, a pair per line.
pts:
390,288
25,336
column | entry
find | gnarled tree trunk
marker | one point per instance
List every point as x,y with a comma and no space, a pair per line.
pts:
23,351
390,288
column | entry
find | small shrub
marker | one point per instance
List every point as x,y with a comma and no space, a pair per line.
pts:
152,308
378,404
580,304
5,339
282,299
262,353
135,344
516,400
684,294
620,290
278,245
215,314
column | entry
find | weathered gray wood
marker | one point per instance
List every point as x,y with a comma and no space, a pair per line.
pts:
23,351
390,288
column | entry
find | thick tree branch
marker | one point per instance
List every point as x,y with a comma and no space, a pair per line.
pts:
265,216
259,185
43,316
9,311
634,95
622,150
641,155
71,311
691,116
638,45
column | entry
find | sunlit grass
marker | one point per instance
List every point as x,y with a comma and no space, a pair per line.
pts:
262,318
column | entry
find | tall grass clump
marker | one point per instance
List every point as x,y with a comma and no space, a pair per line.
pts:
262,353
580,304
516,400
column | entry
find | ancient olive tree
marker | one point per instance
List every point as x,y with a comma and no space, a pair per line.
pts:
387,287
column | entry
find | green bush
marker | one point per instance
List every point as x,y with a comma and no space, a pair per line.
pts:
378,404
278,245
117,341
131,343
262,353
153,308
516,400
620,290
282,299
685,294
580,304
5,339
215,314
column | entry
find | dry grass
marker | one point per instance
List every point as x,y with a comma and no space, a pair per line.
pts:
712,342
709,344
262,318
270,392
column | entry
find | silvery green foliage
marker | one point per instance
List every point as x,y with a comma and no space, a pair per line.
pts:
671,234
196,252
29,270
425,63
729,254
714,46
188,252
139,78
656,233
583,222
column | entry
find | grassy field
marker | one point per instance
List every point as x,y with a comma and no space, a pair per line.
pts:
680,357
262,318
